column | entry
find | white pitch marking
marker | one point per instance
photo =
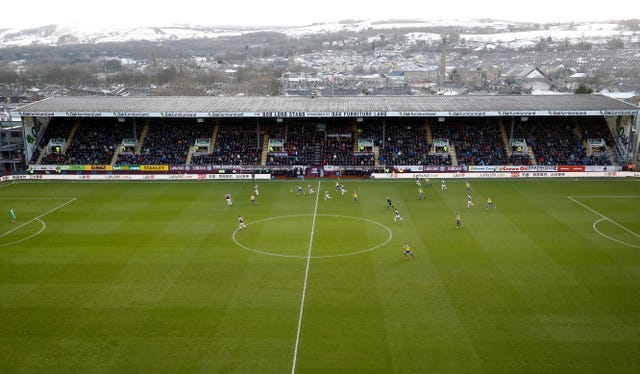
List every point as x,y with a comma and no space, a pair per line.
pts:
603,218
40,216
235,240
306,278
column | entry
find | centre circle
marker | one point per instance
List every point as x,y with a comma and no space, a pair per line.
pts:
312,236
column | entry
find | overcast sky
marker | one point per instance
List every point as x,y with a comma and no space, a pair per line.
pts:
289,12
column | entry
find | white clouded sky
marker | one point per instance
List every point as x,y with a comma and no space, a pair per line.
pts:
298,12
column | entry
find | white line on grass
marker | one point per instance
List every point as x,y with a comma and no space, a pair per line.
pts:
603,218
38,217
37,198
44,227
306,278
235,240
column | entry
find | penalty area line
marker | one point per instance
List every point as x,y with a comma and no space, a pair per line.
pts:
605,218
40,216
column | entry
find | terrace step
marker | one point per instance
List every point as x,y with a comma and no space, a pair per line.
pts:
317,154
70,137
532,156
265,150
376,155
429,132
216,128
42,152
505,139
190,155
612,156
114,159
452,153
143,134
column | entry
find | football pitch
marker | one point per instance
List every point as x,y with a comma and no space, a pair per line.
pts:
157,277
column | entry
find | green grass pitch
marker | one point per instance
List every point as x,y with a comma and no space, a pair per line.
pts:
155,277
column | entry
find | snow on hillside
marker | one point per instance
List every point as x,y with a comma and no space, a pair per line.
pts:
55,35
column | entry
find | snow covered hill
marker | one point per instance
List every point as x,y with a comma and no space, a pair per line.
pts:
502,32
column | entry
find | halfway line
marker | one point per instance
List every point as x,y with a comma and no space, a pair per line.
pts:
306,277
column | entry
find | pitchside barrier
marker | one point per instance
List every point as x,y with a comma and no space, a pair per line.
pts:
133,177
380,176
504,174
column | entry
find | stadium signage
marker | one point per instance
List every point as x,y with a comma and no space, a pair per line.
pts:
359,114
568,113
179,114
283,114
192,168
482,168
513,168
154,167
229,176
618,112
412,114
131,114
83,114
38,114
318,114
98,167
571,168
126,167
515,113
226,114
467,114
520,168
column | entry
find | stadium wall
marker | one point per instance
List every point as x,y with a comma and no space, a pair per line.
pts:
375,176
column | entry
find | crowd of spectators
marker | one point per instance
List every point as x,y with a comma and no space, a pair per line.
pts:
57,128
557,143
406,143
338,145
167,142
477,141
94,142
596,127
235,144
299,145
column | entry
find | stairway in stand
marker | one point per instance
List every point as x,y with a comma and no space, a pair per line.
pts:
429,133
43,150
505,139
376,155
143,134
71,135
115,156
454,157
190,155
317,154
612,157
214,136
354,133
532,156
265,149
577,129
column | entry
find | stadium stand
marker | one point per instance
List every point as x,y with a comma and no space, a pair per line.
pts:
477,141
236,143
336,137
